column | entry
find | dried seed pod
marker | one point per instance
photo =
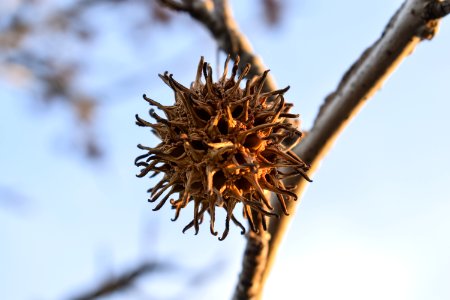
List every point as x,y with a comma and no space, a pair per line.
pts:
221,145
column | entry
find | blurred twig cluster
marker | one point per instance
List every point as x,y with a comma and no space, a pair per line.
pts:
40,42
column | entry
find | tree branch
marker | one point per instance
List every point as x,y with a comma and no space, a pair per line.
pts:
437,9
217,17
255,256
120,283
411,24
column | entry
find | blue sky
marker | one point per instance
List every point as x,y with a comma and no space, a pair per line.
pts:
373,225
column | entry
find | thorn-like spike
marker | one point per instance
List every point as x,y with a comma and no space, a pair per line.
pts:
225,68
235,67
198,77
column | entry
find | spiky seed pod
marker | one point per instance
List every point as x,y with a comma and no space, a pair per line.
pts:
222,145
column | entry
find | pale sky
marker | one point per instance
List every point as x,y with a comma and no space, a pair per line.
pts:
373,225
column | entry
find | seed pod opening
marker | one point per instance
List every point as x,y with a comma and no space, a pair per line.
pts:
221,145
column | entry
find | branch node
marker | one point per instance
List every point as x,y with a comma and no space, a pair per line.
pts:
436,10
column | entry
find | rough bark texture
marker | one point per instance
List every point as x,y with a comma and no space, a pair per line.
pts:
437,9
255,256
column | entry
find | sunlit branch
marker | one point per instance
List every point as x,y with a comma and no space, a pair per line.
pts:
437,9
411,24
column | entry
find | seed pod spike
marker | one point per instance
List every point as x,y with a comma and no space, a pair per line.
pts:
187,193
229,209
186,100
188,226
276,92
281,194
163,200
227,228
142,122
165,78
163,189
241,76
178,205
264,222
147,169
209,179
235,68
225,69
175,85
198,78
280,190
255,206
259,84
239,224
248,214
168,110
196,215
136,161
283,204
212,214
245,133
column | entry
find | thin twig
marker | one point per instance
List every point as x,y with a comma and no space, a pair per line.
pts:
175,5
120,283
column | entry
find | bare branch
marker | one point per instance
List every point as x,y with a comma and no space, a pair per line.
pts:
405,30
272,11
255,256
120,283
218,19
174,5
437,9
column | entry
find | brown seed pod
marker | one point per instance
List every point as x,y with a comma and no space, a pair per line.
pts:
222,145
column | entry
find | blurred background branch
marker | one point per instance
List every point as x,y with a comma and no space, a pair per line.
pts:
121,282
13,200
39,46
